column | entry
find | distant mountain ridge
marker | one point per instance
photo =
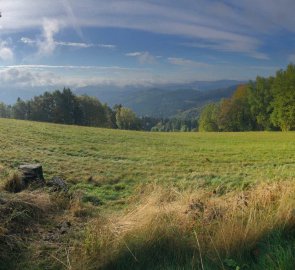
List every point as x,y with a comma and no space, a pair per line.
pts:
164,101
183,100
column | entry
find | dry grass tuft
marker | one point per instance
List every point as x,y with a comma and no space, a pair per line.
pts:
20,214
14,184
193,228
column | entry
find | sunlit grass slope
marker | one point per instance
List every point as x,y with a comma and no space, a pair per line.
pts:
117,160
165,200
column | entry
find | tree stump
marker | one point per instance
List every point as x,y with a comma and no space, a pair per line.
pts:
32,173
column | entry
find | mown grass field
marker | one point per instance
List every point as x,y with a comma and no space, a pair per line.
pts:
121,160
116,167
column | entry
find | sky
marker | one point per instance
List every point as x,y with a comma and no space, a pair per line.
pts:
74,43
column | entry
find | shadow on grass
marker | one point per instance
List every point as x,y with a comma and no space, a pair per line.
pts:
162,253
274,250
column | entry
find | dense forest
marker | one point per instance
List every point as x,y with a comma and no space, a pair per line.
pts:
64,107
264,104
61,107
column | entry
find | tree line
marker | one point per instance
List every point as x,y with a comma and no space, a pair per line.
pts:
64,107
263,104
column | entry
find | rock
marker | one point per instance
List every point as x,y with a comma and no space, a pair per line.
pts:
51,237
64,227
32,173
58,184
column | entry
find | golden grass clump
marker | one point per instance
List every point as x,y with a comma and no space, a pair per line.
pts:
248,216
194,228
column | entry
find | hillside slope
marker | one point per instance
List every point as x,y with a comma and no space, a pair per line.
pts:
159,102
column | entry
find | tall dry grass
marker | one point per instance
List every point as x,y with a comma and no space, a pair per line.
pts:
167,229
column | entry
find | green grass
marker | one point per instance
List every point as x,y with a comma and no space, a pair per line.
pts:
111,167
120,160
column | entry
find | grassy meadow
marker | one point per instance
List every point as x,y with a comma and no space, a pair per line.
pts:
163,200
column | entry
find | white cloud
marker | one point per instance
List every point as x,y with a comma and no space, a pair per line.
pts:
6,53
84,45
21,77
107,46
57,76
26,40
54,43
134,54
186,62
143,57
45,76
47,44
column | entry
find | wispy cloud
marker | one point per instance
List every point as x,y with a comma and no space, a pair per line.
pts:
84,45
230,26
73,18
247,47
291,58
143,57
29,41
225,29
69,67
47,44
186,62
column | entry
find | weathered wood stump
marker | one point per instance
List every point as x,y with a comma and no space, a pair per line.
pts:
32,173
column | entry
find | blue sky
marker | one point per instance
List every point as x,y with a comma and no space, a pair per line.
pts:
143,42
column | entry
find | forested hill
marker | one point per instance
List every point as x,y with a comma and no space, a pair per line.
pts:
264,104
161,103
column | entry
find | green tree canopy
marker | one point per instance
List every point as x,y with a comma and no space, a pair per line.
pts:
283,114
261,97
126,118
208,117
